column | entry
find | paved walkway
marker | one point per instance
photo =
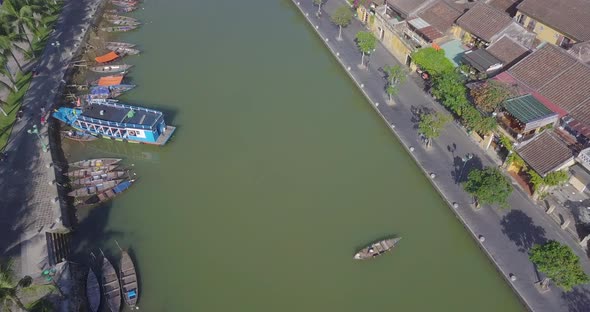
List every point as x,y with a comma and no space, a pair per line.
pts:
508,233
29,205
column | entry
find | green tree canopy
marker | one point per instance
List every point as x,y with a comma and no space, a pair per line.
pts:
449,89
490,94
559,263
366,43
488,186
431,125
341,17
395,74
433,61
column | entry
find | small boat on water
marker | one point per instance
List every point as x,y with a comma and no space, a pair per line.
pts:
128,278
92,291
119,28
115,17
112,45
107,195
79,136
98,179
124,4
111,286
94,189
124,23
87,172
96,162
107,69
127,51
121,10
377,248
109,92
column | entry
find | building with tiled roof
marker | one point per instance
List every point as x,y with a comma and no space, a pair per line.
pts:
546,153
560,78
440,15
561,22
508,6
508,51
484,21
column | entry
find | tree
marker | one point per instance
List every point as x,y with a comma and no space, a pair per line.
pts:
319,4
488,186
556,178
449,89
559,263
433,61
9,288
431,124
341,17
395,74
366,43
20,16
489,95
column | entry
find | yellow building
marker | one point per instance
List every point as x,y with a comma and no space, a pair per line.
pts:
565,26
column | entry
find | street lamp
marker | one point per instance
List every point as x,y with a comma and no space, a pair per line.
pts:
35,130
465,159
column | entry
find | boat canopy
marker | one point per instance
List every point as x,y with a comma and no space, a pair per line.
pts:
110,80
111,56
100,91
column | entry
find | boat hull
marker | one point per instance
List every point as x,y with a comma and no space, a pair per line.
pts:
92,291
377,249
128,277
111,286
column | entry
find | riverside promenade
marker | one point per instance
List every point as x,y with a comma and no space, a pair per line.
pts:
30,204
509,233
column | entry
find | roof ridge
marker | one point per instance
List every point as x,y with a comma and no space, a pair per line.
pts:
576,61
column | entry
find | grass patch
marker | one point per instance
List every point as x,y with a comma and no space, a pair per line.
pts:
13,103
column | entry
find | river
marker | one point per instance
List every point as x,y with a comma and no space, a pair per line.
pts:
278,172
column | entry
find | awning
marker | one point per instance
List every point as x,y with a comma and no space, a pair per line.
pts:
107,57
424,29
110,80
482,60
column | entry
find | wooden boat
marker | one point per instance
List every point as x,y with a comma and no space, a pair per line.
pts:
121,10
119,28
97,179
112,45
377,248
107,195
110,285
127,51
124,4
92,291
124,23
87,172
94,189
128,278
115,17
107,69
96,162
79,136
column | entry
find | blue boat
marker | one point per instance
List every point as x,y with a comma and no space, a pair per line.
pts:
106,195
102,92
117,121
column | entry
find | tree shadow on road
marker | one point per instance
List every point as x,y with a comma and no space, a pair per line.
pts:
417,112
578,300
461,168
581,215
521,230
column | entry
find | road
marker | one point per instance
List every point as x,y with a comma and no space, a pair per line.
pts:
509,233
30,205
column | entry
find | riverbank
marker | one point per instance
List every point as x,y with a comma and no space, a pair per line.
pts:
33,202
508,234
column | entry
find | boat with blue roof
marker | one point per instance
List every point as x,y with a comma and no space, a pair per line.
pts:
118,121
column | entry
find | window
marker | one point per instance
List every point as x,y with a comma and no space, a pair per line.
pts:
531,25
520,19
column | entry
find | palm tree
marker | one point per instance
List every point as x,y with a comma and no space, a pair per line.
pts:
9,289
6,46
42,305
6,72
20,16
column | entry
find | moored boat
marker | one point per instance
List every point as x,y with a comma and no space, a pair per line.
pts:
377,248
96,162
118,121
107,195
94,189
92,291
111,286
127,51
87,172
97,179
119,28
111,45
109,92
128,279
121,10
107,69
124,4
115,17
124,23
79,136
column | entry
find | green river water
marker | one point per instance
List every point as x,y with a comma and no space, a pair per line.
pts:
279,171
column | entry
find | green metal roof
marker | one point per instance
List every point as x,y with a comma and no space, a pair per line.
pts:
526,108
